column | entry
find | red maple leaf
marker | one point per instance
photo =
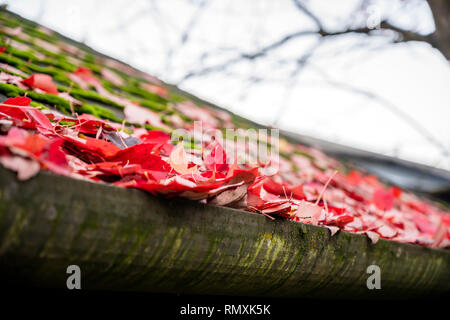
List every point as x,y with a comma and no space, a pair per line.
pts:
41,81
383,200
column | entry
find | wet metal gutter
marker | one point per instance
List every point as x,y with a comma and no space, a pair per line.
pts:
126,239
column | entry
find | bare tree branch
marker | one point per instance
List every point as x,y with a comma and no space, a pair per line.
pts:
440,39
306,11
301,64
385,26
404,116
267,49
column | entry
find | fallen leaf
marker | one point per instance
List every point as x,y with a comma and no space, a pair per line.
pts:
41,81
25,168
178,161
112,77
383,200
229,196
332,229
308,210
373,236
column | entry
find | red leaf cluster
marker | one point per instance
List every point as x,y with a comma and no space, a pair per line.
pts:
85,147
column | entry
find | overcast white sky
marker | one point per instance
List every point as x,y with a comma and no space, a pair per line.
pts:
412,77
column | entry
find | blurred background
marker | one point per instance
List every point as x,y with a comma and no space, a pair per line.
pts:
372,75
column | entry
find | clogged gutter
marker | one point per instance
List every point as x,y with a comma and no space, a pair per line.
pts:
93,118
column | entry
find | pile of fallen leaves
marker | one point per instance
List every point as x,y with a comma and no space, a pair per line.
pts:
85,147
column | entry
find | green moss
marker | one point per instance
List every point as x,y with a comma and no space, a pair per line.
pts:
34,32
149,127
59,63
11,60
123,75
57,74
240,122
94,68
45,51
144,94
61,104
10,72
191,145
50,99
47,70
284,155
165,120
10,90
89,58
65,88
25,55
184,117
169,111
19,40
9,22
62,79
67,123
98,111
94,96
176,97
445,205
108,85
304,154
37,105
156,106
